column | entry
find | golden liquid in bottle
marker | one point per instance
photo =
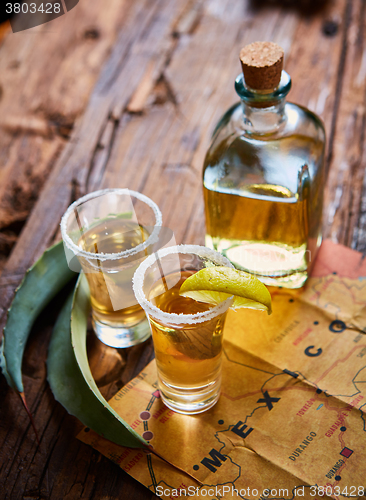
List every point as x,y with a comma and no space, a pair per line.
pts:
261,236
266,229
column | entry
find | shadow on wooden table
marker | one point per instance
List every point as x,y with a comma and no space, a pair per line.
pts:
114,368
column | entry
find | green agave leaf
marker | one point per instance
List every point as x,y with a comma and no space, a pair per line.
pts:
3,367
70,377
40,284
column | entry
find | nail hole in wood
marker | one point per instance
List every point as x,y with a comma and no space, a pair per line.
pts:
92,34
330,28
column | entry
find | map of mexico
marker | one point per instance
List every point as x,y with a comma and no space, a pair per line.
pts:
290,416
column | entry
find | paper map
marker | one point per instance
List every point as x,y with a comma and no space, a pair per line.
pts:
290,421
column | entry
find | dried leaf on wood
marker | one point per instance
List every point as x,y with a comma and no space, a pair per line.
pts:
70,377
40,284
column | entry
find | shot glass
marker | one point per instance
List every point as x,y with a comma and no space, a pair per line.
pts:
109,233
187,334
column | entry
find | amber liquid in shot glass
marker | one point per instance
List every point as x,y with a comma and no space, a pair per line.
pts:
114,236
188,356
109,233
187,334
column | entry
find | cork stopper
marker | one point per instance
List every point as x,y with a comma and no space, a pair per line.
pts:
262,64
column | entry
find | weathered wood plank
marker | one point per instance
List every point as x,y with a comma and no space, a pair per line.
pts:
345,222
175,134
46,76
148,28
147,126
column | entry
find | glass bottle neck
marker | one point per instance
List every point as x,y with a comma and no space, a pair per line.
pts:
264,111
263,120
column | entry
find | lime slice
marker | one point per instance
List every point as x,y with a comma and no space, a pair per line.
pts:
215,284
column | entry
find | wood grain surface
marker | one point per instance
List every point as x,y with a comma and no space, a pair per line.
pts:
126,94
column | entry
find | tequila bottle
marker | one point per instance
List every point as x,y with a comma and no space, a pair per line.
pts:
263,175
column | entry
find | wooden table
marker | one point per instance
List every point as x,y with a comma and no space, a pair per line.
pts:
126,93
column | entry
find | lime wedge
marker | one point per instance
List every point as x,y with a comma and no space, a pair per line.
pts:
215,284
